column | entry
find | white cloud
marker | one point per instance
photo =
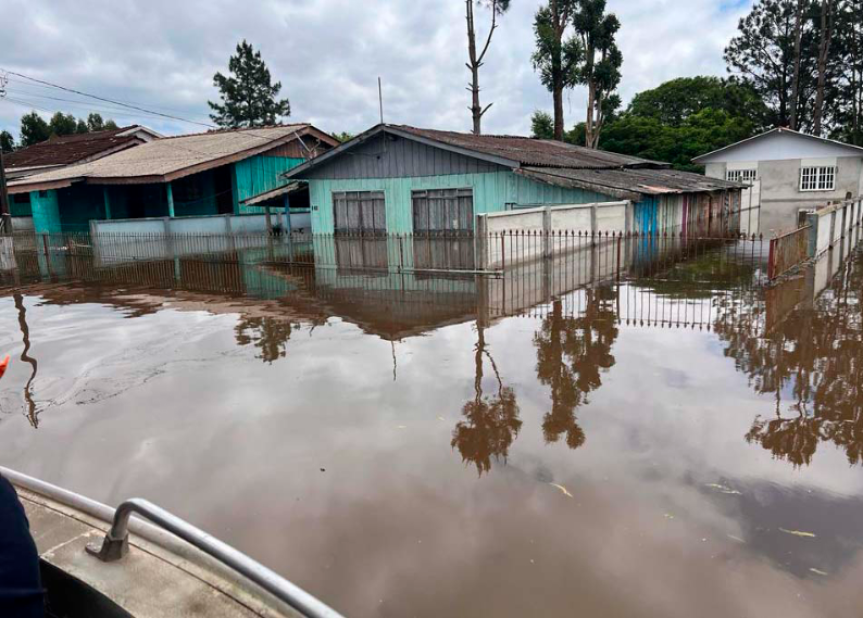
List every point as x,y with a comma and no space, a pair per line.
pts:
328,54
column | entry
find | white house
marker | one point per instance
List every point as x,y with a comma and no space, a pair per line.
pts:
794,172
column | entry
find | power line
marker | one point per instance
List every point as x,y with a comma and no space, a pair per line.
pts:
106,100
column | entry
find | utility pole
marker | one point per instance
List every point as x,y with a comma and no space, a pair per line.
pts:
5,213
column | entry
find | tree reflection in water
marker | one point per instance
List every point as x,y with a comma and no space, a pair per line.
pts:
818,354
269,334
491,424
572,352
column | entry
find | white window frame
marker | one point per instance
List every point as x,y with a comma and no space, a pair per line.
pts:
742,175
817,178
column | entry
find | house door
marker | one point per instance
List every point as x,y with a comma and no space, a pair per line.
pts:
442,211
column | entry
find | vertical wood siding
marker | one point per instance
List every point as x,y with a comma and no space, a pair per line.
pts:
492,192
259,174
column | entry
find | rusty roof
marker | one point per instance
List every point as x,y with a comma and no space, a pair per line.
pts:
528,151
630,183
71,149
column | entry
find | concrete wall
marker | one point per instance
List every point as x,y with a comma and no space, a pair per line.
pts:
492,192
832,224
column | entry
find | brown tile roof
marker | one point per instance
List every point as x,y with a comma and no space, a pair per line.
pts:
70,149
529,151
169,158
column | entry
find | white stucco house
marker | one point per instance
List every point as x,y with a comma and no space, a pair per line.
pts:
792,172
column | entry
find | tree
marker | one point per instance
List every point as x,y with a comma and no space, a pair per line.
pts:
556,58
7,142
95,123
475,59
599,69
773,53
542,125
34,129
81,127
848,49
248,94
344,136
110,125
828,20
674,102
63,124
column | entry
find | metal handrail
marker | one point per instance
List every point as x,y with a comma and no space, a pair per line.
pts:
116,543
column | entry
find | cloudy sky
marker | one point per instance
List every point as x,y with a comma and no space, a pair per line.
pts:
162,54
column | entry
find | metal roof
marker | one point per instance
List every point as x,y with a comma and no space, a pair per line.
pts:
630,184
170,158
70,149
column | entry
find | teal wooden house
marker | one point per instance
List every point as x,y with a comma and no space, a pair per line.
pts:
213,173
405,180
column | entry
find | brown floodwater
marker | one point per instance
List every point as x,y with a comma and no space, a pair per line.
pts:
679,442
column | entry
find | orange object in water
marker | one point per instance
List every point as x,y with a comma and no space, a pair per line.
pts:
4,365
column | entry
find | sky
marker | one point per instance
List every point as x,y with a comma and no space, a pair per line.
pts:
328,55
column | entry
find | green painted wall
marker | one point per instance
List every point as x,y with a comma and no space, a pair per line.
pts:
195,195
46,212
19,205
492,192
259,174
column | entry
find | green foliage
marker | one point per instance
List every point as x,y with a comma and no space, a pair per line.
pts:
676,101
81,127
110,125
248,94
95,122
34,129
7,142
542,125
649,138
344,136
63,124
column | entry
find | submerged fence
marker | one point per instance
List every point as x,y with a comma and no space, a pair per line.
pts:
788,250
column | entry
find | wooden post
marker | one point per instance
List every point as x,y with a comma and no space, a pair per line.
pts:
107,199
5,212
170,191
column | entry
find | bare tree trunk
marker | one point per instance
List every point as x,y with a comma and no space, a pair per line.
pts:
476,61
589,126
823,53
557,95
795,84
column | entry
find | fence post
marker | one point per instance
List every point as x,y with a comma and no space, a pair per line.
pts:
546,232
481,242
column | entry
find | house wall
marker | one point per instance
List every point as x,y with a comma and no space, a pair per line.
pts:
492,192
46,212
257,175
781,198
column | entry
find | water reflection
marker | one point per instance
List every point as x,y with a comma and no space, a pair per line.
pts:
571,354
811,355
491,423
269,335
32,414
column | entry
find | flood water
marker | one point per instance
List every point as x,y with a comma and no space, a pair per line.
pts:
679,442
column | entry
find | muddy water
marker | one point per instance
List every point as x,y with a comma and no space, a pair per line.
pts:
679,445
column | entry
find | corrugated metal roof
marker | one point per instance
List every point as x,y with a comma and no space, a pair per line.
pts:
173,157
629,183
70,149
529,151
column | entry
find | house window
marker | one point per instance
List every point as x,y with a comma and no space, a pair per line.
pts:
360,212
818,178
443,210
745,176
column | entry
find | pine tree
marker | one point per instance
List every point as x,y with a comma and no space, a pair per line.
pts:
248,94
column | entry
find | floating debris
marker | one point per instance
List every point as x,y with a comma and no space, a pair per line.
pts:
562,489
723,489
800,533
735,538
818,572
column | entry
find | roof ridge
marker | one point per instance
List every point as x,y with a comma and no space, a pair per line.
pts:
240,130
